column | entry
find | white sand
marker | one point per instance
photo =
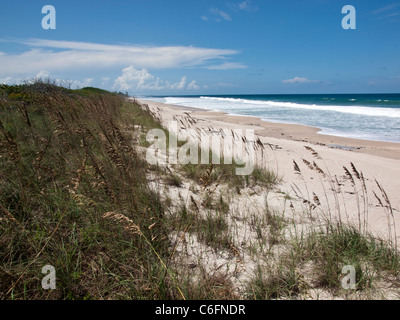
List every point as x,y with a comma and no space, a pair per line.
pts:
375,160
339,199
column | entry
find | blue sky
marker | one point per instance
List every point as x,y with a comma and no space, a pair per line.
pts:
181,47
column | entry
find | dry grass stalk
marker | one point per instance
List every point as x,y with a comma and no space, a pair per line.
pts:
313,152
129,225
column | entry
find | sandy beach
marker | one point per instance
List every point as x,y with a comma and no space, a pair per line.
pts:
378,162
186,151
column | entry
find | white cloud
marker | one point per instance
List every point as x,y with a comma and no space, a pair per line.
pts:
179,85
79,56
227,66
386,8
299,80
44,75
142,80
388,13
7,80
220,14
246,6
71,83
133,78
86,82
193,85
237,7
76,83
243,5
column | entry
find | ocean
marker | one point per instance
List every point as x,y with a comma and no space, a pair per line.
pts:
360,116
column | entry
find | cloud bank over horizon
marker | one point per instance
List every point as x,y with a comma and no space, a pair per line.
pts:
43,58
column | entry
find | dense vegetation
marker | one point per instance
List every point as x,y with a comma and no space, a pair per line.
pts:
74,195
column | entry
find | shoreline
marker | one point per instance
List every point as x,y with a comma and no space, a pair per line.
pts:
322,181
286,145
294,132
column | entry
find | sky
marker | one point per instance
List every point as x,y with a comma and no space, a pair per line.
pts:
186,47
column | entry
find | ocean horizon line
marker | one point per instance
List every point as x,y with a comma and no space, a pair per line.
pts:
261,94
360,116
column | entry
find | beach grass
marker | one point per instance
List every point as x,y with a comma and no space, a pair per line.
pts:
76,193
